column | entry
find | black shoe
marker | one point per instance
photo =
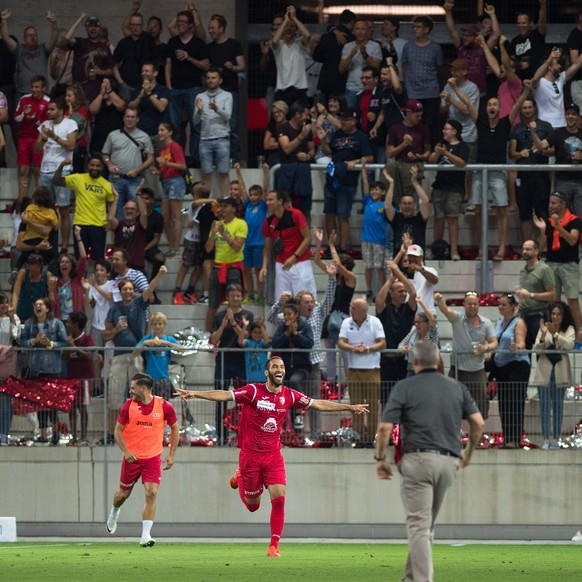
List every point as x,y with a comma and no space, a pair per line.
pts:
55,438
110,440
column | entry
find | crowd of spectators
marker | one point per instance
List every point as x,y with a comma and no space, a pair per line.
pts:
116,120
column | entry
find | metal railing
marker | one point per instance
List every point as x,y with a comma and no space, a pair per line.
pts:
484,170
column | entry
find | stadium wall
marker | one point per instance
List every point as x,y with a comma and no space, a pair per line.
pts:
331,493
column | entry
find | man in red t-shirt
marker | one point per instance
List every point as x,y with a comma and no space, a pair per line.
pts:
30,113
139,433
287,236
261,464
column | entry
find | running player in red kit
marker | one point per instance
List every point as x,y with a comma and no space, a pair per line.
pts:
261,463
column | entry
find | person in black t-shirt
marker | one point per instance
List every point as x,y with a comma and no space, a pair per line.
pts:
396,313
530,44
449,187
296,151
186,62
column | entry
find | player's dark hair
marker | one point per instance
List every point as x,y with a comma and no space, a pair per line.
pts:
142,379
38,79
269,360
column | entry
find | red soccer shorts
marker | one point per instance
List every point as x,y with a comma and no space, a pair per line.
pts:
261,469
149,469
26,155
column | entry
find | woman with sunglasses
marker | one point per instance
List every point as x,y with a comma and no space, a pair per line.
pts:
511,370
553,372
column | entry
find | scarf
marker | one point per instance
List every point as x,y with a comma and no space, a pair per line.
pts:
568,217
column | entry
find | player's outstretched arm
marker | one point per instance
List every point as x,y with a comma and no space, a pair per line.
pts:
329,406
215,395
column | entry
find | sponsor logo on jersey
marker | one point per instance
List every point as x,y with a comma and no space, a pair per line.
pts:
143,423
257,492
268,406
157,415
270,425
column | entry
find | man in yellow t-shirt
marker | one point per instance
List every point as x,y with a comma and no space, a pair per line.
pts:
92,194
227,239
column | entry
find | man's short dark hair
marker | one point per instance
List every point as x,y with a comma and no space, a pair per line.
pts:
370,69
215,70
59,102
282,196
269,360
220,19
142,379
123,252
296,107
78,318
347,17
424,21
38,79
186,14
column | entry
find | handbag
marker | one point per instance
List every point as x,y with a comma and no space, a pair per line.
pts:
144,155
554,358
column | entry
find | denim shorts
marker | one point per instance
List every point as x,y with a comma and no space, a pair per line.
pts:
253,257
174,188
215,152
339,202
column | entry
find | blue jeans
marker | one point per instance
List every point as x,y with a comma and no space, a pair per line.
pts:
126,188
185,99
551,400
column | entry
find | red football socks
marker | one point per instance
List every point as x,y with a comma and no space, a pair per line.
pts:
277,519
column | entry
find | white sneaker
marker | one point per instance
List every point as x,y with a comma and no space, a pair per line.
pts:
111,524
546,445
577,537
554,444
147,542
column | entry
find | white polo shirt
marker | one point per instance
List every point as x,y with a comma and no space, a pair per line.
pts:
367,334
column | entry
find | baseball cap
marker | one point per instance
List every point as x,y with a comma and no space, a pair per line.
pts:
229,200
92,19
349,112
574,107
412,106
456,125
471,29
415,251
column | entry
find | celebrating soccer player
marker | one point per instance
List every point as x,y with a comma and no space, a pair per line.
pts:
139,433
261,463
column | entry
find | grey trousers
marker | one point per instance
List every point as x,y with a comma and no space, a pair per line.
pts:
425,479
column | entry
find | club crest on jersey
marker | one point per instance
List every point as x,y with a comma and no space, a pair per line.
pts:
270,425
282,400
265,405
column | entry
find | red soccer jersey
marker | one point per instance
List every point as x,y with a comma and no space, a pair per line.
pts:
263,414
30,123
288,227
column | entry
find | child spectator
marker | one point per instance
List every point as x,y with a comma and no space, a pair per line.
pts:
254,338
255,214
374,231
19,206
201,215
79,365
40,218
157,362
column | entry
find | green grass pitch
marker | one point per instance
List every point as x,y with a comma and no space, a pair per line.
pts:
314,562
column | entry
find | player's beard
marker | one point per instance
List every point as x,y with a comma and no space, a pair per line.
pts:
274,381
